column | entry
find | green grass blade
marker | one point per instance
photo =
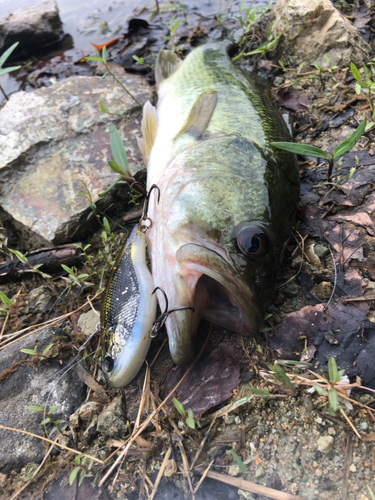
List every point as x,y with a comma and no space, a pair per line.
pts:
300,149
346,145
7,53
241,465
118,150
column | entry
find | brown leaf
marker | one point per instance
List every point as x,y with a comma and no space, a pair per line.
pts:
291,99
211,382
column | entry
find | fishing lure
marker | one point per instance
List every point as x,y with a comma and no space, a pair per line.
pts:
128,312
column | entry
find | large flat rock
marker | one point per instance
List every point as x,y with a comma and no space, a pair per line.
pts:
30,387
54,139
33,27
311,29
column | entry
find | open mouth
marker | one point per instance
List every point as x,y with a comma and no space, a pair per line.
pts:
211,286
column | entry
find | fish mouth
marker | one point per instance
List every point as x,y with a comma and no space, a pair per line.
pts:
207,282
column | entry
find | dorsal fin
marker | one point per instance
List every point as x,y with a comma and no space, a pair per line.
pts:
149,130
200,115
166,64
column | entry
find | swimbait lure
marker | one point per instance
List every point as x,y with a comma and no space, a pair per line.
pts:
128,312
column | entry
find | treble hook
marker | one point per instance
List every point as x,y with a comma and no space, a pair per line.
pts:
160,321
144,217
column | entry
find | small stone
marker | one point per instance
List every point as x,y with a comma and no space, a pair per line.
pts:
321,251
323,291
319,472
259,472
87,410
37,300
363,426
292,290
233,470
74,420
353,468
170,468
325,444
245,494
3,480
87,322
331,431
228,419
111,421
237,420
296,262
92,430
279,80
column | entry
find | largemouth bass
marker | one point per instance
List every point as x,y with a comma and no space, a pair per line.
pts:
227,197
128,312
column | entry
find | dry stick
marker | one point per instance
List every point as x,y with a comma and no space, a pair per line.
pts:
46,323
201,446
139,431
36,472
160,473
199,483
250,486
143,479
358,299
53,442
348,460
335,282
350,423
186,468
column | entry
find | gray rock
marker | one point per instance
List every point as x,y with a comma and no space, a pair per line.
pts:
33,27
27,387
37,300
311,29
87,322
325,444
54,138
111,421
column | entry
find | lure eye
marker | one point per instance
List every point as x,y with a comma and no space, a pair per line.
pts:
252,241
108,364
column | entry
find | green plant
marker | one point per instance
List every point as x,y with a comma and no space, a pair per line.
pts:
103,59
222,15
323,72
172,26
249,17
140,60
342,148
3,59
74,278
83,465
34,351
267,46
335,376
48,418
240,463
366,85
7,304
188,416
22,257
280,375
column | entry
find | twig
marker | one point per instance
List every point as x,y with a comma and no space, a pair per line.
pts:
138,431
348,459
160,473
350,423
250,486
201,446
359,299
46,323
186,468
36,472
53,442
144,474
204,475
335,281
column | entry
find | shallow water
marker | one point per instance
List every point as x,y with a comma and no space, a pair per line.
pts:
83,19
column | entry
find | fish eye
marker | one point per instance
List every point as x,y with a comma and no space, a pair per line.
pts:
252,241
108,364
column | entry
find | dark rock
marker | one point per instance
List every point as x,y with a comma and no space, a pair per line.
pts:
56,137
111,421
25,387
33,27
62,490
